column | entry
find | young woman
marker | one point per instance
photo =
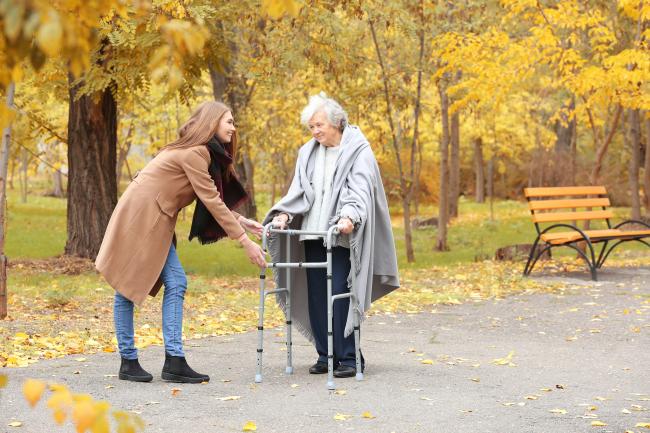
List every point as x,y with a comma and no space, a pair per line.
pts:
138,253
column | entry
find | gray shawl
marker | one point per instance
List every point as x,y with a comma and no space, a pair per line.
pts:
357,193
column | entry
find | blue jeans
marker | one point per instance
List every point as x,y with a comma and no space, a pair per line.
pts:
175,282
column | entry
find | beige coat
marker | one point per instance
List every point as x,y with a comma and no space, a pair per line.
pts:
140,231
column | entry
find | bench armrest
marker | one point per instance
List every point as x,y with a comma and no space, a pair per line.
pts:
632,222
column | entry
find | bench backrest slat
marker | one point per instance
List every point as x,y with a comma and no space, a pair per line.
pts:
564,191
551,217
568,204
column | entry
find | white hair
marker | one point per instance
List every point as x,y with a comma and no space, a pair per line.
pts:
335,113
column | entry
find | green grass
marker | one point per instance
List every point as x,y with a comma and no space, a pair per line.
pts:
37,229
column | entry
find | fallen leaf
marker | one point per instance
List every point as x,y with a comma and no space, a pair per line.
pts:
367,415
250,426
643,424
33,390
294,385
175,391
230,397
15,424
598,424
340,392
531,397
560,411
80,359
109,387
546,389
342,417
3,380
426,398
475,379
559,386
427,361
625,411
507,360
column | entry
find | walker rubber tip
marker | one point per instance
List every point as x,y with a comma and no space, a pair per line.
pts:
258,378
359,376
330,386
289,370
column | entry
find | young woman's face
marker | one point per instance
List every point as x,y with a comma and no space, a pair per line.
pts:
226,128
323,131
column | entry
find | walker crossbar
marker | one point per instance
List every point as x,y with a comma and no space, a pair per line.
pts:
328,236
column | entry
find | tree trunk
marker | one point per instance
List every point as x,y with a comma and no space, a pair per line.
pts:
443,213
646,166
92,183
594,177
634,143
454,166
24,165
57,184
4,160
479,169
490,186
564,131
123,152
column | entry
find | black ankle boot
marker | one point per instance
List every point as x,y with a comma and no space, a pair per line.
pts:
130,369
177,370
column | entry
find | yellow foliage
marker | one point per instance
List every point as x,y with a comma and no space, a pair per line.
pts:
33,390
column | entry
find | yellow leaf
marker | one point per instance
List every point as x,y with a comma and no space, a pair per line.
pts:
643,424
3,380
33,390
340,392
427,361
342,417
15,424
505,361
367,415
250,426
50,36
230,398
598,424
84,415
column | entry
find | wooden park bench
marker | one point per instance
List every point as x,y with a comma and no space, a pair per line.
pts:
563,207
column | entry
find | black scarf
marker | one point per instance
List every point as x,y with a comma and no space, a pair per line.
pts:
232,192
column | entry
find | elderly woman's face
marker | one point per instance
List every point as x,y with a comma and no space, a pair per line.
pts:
323,131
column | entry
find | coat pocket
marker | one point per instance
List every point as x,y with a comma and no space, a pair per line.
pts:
166,206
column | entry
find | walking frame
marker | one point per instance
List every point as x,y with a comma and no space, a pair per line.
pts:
287,266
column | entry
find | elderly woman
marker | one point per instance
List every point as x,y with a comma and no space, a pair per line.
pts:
336,181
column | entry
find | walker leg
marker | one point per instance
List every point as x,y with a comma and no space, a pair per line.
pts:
357,342
330,339
289,369
260,329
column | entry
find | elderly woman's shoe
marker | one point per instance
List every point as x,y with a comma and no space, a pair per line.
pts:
345,371
177,370
318,368
130,369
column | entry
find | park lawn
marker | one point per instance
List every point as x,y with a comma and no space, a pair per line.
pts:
53,314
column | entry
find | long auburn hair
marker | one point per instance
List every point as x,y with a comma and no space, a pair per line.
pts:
202,126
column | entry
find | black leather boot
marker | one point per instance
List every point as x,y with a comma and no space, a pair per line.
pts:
130,369
177,370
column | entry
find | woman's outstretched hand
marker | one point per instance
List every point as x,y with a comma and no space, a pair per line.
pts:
251,226
253,251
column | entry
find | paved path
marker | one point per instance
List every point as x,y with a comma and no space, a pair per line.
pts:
585,350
